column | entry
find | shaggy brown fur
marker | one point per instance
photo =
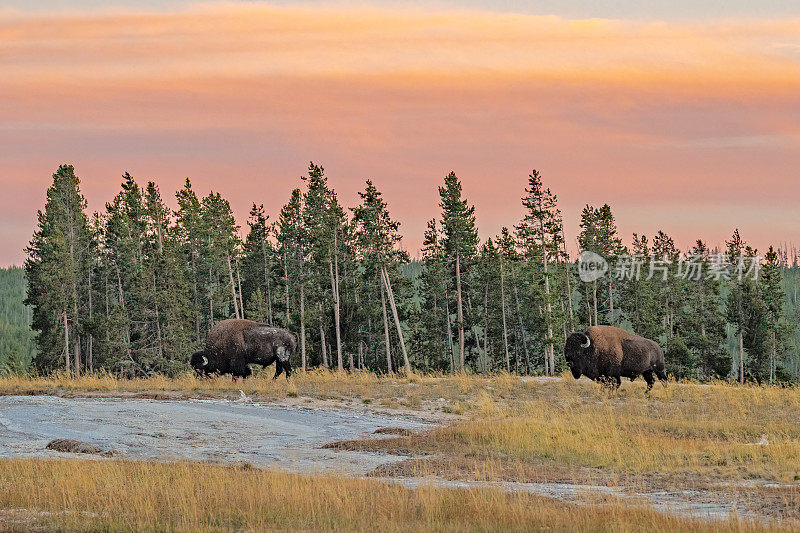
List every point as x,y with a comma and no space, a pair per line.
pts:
231,345
613,353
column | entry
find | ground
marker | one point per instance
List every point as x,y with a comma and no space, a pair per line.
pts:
463,452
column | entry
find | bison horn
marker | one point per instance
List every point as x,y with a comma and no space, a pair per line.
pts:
205,360
587,343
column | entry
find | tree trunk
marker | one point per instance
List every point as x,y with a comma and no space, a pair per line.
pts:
548,363
233,287
773,358
449,337
66,343
266,279
741,358
486,326
503,306
286,280
239,284
76,338
335,290
704,352
89,354
594,299
611,300
406,363
158,324
210,298
474,328
196,296
302,328
522,331
322,338
386,327
460,315
568,275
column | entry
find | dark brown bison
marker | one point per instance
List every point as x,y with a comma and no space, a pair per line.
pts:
609,353
232,345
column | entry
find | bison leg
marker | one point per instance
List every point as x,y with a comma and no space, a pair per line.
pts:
648,377
618,382
287,367
241,371
278,369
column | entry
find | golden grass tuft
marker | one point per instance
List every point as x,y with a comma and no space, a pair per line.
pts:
144,496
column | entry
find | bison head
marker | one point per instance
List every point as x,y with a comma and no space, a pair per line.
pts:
578,351
201,363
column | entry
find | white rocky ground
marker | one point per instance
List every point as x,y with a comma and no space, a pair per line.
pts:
286,437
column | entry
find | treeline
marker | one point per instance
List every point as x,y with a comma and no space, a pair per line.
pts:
133,289
17,342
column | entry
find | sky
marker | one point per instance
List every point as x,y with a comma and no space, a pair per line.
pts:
683,116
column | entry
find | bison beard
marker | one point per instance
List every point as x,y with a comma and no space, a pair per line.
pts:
608,353
232,345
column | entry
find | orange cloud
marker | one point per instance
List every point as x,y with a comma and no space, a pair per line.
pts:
654,118
266,41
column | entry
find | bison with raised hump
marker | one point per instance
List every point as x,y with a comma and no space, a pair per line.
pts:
609,353
232,345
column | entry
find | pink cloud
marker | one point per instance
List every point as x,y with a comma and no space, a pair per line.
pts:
659,120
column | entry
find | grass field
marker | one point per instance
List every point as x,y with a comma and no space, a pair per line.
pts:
141,496
737,442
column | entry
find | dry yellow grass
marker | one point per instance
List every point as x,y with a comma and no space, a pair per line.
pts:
706,430
388,390
704,433
142,496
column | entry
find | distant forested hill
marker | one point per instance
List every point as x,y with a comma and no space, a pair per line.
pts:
17,341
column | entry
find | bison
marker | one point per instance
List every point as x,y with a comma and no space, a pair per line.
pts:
609,353
232,345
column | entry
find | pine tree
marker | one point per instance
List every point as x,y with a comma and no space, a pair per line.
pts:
735,300
377,238
599,235
293,241
540,235
257,308
773,296
671,286
639,296
168,304
703,324
328,231
258,262
188,229
220,251
434,340
57,271
511,280
459,242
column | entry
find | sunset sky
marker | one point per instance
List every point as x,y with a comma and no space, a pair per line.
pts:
683,118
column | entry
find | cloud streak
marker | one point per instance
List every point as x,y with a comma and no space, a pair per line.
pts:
644,115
